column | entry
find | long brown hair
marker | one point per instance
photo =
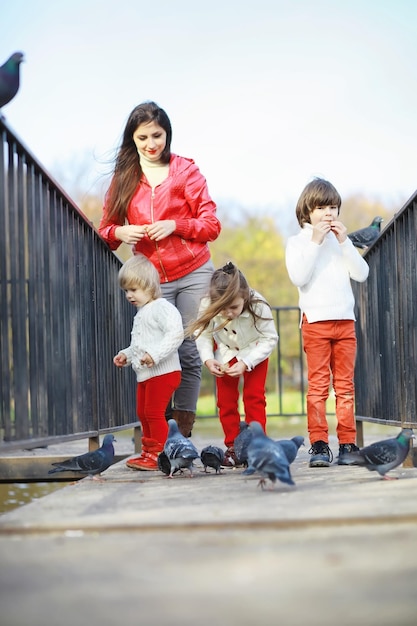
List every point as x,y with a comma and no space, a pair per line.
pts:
127,170
227,284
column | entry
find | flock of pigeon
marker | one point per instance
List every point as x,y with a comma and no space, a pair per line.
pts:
257,452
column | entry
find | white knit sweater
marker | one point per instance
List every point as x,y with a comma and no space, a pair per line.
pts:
323,273
157,329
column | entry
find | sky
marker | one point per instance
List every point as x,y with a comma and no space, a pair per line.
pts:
263,95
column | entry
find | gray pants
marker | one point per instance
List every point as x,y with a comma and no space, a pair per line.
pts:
186,293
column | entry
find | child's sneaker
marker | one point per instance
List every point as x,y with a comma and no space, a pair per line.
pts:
345,448
321,455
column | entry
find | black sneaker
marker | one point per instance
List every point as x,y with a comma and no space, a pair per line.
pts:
321,455
346,448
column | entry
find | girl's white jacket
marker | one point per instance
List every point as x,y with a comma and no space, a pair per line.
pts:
248,341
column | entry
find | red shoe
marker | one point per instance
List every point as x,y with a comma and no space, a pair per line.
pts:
145,463
230,459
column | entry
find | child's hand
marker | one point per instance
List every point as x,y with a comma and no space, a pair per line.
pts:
339,230
120,359
147,360
320,230
214,367
237,369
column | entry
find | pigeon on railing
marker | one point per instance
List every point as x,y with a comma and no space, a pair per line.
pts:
382,456
91,463
10,78
364,237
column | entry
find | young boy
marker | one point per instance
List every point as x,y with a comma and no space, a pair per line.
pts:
321,261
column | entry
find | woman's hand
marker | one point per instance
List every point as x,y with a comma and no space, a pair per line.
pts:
131,233
160,230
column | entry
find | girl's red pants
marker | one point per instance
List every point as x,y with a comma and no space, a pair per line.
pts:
254,401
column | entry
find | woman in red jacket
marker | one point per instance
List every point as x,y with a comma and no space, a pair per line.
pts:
158,203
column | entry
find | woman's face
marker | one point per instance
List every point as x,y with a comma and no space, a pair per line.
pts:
150,140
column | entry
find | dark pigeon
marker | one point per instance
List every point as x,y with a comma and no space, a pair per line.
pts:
10,78
364,237
90,463
180,451
267,457
291,447
164,464
382,456
212,456
241,443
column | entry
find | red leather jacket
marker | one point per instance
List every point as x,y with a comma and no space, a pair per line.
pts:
183,196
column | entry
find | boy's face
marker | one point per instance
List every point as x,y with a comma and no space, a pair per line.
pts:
324,214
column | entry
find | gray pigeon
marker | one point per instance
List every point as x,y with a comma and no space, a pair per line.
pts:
180,451
291,447
90,463
10,78
212,456
382,456
241,443
364,237
266,457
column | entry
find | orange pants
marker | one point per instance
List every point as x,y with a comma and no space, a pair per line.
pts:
330,347
254,401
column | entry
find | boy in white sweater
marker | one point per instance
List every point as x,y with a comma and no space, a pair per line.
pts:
321,261
156,336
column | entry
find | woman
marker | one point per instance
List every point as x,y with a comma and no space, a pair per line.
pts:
159,203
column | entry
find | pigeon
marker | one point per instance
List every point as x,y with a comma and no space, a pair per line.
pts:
164,464
10,78
267,457
291,447
90,463
212,456
180,451
364,237
382,456
241,443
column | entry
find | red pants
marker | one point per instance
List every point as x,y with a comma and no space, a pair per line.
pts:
254,401
330,346
152,397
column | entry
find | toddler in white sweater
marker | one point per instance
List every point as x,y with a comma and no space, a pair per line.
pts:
156,336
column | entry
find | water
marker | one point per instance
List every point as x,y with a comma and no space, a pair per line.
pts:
13,495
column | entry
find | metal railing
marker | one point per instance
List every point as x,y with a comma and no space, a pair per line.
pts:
386,367
62,315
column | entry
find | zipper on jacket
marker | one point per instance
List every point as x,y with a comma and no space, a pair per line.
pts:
156,243
184,243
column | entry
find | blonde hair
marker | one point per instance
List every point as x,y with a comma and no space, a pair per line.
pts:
139,273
